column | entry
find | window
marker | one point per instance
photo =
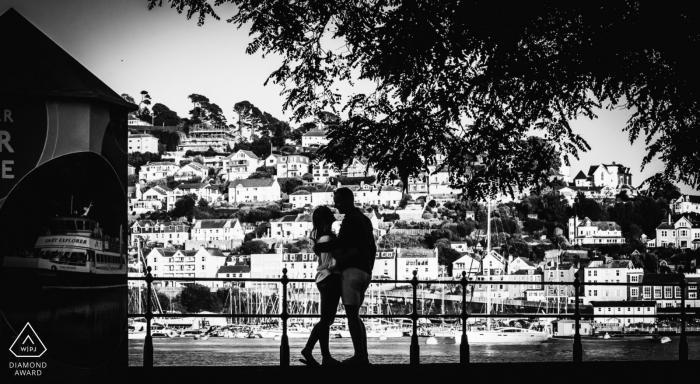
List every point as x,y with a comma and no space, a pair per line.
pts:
634,278
657,292
668,292
617,272
647,292
678,292
589,273
692,295
595,273
634,292
203,258
202,267
595,292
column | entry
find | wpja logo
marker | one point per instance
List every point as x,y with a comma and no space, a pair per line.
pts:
27,345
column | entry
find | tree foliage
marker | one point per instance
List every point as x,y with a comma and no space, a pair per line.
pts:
506,70
196,298
253,247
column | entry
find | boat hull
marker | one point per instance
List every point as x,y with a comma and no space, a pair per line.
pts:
61,278
497,337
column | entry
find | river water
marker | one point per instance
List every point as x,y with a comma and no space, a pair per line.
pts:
249,352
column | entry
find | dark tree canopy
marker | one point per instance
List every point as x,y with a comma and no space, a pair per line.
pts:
471,79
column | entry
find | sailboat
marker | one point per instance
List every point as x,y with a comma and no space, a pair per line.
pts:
500,335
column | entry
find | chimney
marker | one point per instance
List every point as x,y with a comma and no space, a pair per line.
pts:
669,218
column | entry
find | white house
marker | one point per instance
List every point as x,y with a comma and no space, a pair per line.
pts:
374,194
143,142
157,170
190,171
322,196
357,168
460,246
157,192
201,263
271,161
621,312
466,264
233,271
291,227
300,198
204,191
682,234
686,204
587,231
242,164
216,233
166,232
424,261
493,264
292,166
520,263
571,192
252,190
560,273
322,171
217,229
133,120
615,271
314,138
384,265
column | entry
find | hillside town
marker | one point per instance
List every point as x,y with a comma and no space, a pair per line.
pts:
216,201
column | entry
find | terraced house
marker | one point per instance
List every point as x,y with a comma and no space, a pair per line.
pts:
216,233
166,232
200,263
614,271
292,165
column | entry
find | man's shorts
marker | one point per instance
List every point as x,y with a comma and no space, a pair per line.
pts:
354,284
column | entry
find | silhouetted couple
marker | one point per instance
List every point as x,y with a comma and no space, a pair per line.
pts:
344,271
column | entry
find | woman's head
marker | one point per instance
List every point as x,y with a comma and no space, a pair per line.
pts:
322,219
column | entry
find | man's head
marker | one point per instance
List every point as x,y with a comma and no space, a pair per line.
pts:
343,199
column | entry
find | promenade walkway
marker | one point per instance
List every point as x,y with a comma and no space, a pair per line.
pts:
588,372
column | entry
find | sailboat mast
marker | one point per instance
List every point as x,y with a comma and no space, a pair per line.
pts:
488,251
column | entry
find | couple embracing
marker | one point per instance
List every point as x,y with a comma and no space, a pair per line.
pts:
344,271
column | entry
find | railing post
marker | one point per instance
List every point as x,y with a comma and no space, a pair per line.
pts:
464,345
415,349
683,345
578,346
284,347
148,343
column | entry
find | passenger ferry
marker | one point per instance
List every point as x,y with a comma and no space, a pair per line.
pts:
73,252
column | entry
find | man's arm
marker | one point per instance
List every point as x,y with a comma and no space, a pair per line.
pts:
346,237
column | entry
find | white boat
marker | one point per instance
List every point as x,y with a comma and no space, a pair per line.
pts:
73,252
500,335
504,335
293,332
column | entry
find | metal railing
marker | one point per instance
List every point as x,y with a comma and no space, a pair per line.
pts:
414,316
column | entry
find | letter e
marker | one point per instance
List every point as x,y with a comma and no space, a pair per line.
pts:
5,170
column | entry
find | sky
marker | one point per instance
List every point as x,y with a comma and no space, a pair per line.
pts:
132,49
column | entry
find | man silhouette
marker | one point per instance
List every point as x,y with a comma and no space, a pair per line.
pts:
357,251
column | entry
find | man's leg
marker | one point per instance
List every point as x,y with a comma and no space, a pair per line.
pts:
357,332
